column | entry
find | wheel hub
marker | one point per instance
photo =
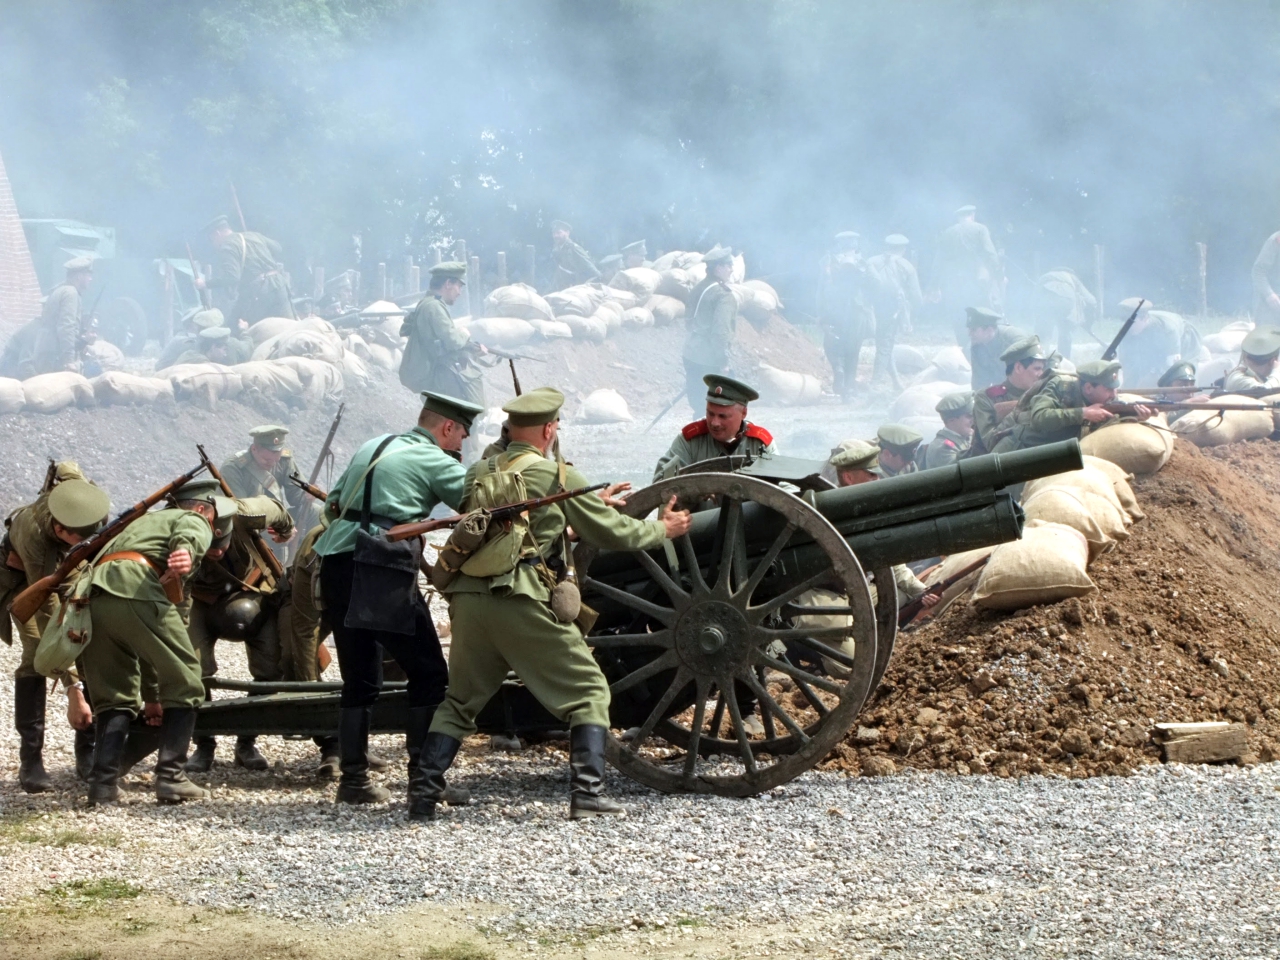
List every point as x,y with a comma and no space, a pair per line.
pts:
711,637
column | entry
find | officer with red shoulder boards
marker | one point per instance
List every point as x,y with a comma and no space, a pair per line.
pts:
723,432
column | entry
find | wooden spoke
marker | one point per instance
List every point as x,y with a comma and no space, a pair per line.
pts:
767,561
663,614
650,669
795,610
759,612
691,561
798,675
744,742
702,689
659,711
659,638
805,633
662,578
731,524
717,716
839,656
761,691
814,700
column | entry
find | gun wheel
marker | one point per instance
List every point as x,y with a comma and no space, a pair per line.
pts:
739,664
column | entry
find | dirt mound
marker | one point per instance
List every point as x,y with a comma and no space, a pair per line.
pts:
1183,628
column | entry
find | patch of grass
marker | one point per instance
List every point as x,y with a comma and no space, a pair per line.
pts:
22,829
457,951
689,922
85,892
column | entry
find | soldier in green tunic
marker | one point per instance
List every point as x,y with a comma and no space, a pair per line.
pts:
193,323
898,445
1064,405
248,282
1181,375
989,338
896,298
216,345
264,470
573,263
846,292
506,621
953,440
967,267
406,475
1259,355
635,255
1024,364
711,324
725,429
440,357
35,542
609,267
235,596
140,652
55,339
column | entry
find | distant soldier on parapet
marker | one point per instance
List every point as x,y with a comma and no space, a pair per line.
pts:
845,296
636,255
54,340
897,297
248,282
573,263
989,338
967,269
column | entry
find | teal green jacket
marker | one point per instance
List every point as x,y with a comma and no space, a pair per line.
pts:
412,477
154,535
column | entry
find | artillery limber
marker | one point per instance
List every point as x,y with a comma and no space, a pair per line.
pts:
764,609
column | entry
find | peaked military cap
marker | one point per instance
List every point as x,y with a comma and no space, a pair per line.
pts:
1056,362
846,235
967,209
217,223
1102,372
1024,350
639,248
954,404
78,504
225,510
560,225
981,317
450,270
718,254
725,391
535,408
78,263
208,318
201,488
451,408
898,435
855,455
896,240
1261,342
1182,370
212,335
269,436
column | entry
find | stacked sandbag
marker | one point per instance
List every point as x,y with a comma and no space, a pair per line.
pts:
757,300
604,406
788,386
116,387
677,260
1137,448
679,283
591,328
301,342
517,300
1213,428
501,333
384,357
909,361
272,378
641,281
950,567
1047,565
551,329
51,392
580,300
355,370
1119,483
270,327
354,343
320,381
948,364
106,354
1097,517
12,396
203,383
637,317
624,298
666,310
610,311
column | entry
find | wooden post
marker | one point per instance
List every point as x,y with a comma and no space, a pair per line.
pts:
502,268
1203,250
415,279
435,254
318,287
460,251
409,285
381,286
475,291
168,302
530,261
1099,277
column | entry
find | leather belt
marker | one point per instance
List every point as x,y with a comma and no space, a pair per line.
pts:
172,586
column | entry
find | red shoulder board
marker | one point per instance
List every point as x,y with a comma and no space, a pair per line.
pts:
696,429
950,443
757,432
999,390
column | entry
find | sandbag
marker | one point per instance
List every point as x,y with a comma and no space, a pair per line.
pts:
320,381
314,344
665,310
1045,566
604,406
323,326
948,568
107,355
1209,428
587,328
117,387
953,365
1225,341
908,360
550,329
12,397
611,313
355,371
1087,478
642,281
1119,478
517,300
271,378
203,383
757,301
676,283
354,343
637,317
50,392
920,400
271,327
1137,448
788,386
624,298
1215,368
1101,522
579,301
738,272
501,332
677,260
384,357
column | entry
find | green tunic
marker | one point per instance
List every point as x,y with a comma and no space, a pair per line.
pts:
412,477
300,618
886,472
1242,378
439,355
694,444
176,348
247,283
944,450
573,265
988,368
987,424
1055,412
247,479
48,343
712,323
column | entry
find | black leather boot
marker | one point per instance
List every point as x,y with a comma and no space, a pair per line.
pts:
84,752
586,774
28,718
172,785
428,788
202,760
415,736
143,741
353,745
247,754
110,736
330,758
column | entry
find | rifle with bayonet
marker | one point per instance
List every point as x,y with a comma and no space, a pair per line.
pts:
1255,392
403,531
309,488
33,598
1129,409
264,552
328,442
515,377
1109,354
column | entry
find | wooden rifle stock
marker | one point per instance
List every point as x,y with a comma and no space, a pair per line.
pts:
403,531
33,598
309,488
1127,409
912,609
264,552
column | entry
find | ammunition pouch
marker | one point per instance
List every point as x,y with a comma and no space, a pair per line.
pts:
465,538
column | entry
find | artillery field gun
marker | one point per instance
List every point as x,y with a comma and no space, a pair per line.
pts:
723,625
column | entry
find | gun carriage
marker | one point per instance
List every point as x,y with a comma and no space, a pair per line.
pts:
725,623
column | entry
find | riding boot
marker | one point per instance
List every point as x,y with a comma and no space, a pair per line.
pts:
28,718
247,754
172,785
202,760
83,745
110,736
143,741
428,787
353,745
586,774
414,737
329,758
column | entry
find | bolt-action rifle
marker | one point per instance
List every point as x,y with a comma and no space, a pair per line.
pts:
325,452
403,531
264,552
1109,354
910,611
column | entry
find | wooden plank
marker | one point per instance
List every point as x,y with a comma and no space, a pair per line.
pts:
1170,730
1208,746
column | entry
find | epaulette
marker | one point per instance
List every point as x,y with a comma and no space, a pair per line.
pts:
756,432
950,443
698,428
996,392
